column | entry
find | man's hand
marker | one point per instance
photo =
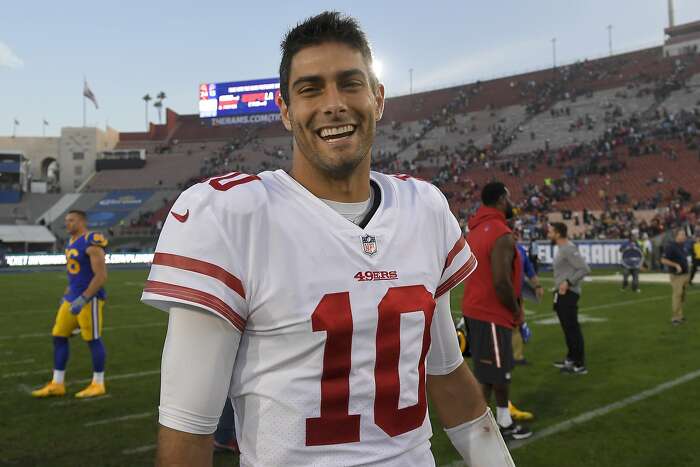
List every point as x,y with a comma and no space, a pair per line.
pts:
679,269
539,292
525,332
78,304
563,288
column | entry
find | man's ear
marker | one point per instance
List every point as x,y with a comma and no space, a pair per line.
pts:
284,112
379,102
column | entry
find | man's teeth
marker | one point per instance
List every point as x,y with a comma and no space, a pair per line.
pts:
326,132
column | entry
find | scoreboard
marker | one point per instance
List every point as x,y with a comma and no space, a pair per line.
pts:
238,98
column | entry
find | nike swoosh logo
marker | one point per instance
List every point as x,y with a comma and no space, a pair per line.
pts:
181,217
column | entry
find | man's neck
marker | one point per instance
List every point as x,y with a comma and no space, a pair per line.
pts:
562,241
77,235
352,189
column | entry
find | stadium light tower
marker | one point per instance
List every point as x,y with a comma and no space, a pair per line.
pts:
671,15
610,28
554,52
410,80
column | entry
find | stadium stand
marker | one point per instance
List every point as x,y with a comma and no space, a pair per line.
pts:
29,209
560,138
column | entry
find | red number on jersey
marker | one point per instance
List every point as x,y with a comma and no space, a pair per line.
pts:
228,181
335,425
387,414
333,315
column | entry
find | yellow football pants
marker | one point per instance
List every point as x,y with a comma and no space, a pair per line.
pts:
89,320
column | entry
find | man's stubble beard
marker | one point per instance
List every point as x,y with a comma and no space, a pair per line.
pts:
346,167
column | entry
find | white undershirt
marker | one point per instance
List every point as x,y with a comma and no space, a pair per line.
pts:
354,212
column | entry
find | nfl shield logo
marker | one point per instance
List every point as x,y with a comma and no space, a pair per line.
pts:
369,245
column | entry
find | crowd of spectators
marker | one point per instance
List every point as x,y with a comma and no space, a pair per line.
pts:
623,138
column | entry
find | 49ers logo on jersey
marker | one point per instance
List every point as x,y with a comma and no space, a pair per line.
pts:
369,245
376,276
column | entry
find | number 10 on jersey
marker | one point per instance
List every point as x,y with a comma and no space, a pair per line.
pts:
334,316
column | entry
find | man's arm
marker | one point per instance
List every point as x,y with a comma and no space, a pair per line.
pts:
671,264
458,399
453,389
468,421
581,269
502,257
198,357
457,396
99,268
180,449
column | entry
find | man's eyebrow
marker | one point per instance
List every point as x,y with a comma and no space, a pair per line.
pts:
348,73
316,79
311,79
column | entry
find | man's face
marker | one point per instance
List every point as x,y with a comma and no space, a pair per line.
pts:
332,109
551,233
73,223
681,237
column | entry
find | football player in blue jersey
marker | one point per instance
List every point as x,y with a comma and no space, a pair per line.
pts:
81,306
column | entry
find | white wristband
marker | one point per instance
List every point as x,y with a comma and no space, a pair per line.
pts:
480,442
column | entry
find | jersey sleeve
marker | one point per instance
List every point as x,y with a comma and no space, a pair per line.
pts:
195,263
96,239
444,355
198,357
459,261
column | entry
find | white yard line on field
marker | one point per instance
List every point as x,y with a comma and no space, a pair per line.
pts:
25,373
17,362
109,378
28,389
615,304
79,401
133,416
106,328
139,450
606,409
599,412
28,312
631,302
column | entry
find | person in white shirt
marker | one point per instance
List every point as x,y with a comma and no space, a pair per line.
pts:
317,300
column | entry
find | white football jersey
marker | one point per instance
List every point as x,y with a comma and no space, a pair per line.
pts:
335,318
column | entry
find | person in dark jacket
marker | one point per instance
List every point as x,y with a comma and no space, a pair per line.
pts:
632,258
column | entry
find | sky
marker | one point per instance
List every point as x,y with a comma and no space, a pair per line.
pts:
129,48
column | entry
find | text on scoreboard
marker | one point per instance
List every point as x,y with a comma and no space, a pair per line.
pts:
238,98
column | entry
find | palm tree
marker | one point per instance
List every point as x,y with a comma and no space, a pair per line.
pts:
158,105
161,97
146,99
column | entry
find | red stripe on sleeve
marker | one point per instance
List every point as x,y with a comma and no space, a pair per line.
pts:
202,267
457,277
196,296
459,245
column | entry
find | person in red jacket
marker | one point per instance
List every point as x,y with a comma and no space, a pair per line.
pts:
490,304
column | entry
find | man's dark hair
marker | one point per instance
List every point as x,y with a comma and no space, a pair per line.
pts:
492,192
78,213
560,228
329,26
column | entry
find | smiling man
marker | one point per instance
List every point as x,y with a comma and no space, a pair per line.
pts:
317,300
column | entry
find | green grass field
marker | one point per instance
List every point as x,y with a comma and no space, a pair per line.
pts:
631,348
